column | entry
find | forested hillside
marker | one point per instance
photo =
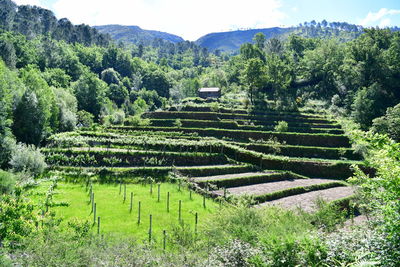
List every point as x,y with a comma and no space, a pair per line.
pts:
231,41
136,35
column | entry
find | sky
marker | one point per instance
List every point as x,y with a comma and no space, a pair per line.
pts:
192,19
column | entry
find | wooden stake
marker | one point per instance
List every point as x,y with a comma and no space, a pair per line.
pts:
139,212
168,202
164,239
151,188
94,213
98,225
204,201
196,218
180,210
158,193
124,193
130,207
150,228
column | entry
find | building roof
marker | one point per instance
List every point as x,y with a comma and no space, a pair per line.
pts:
209,90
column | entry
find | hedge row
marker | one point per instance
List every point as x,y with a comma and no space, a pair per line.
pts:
229,116
303,139
296,191
252,112
305,151
314,169
250,180
230,124
156,171
124,159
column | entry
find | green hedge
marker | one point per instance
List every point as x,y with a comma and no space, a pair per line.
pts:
231,124
231,116
304,151
295,191
134,158
250,180
303,139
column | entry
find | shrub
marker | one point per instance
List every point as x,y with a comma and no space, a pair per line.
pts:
27,158
85,119
7,182
118,117
178,123
390,123
282,126
137,121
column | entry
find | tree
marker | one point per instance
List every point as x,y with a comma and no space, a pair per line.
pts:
110,76
7,52
90,92
7,14
248,51
10,89
255,78
29,120
259,40
275,46
369,103
389,124
36,115
155,79
118,93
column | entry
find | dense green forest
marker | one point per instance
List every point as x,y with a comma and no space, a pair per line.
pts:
57,77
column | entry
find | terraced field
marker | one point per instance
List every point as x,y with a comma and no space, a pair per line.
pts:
222,153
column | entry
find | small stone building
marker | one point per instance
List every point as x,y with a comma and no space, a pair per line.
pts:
212,92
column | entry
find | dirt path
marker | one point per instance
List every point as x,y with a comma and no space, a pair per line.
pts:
267,188
306,201
229,176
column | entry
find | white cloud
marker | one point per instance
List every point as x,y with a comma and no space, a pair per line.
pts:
187,18
385,23
29,2
380,17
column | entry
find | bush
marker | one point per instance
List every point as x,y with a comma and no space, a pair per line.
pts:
27,158
178,123
117,118
389,124
137,121
7,182
282,126
85,119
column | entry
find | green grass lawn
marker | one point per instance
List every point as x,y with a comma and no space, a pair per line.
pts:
115,214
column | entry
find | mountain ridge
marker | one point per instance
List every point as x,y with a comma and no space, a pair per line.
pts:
135,34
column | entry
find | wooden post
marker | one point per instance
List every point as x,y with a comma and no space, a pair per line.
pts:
224,193
151,188
204,201
139,212
124,193
168,202
164,239
130,207
196,218
158,193
98,225
180,210
180,182
120,186
150,228
190,194
94,213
